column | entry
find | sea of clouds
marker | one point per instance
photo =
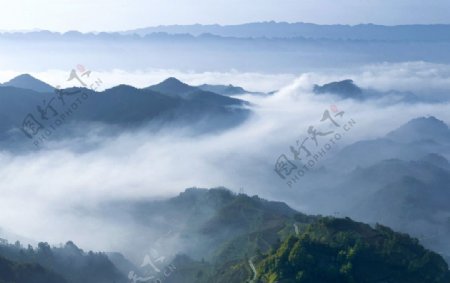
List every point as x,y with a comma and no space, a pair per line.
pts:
44,193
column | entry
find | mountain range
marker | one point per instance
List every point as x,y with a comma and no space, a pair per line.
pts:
169,103
401,180
26,81
169,86
280,30
347,89
266,47
218,236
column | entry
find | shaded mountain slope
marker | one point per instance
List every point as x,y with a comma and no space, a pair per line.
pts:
12,272
68,262
226,231
119,106
27,81
340,250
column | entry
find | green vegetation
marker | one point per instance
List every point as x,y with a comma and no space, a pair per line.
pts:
41,264
11,272
340,250
235,230
326,250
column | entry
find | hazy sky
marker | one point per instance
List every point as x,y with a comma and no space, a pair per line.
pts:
97,15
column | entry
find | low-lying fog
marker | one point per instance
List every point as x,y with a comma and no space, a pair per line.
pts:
45,193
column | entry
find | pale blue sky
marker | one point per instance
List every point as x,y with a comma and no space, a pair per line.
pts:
97,15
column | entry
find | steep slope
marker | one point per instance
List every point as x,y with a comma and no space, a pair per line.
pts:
415,139
173,86
422,129
68,261
218,234
340,250
13,272
226,237
205,93
119,107
344,89
401,180
27,81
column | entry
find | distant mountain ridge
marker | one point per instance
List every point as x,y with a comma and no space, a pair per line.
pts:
423,128
336,46
169,103
176,87
223,89
348,89
401,180
432,32
345,89
415,138
308,30
27,81
173,86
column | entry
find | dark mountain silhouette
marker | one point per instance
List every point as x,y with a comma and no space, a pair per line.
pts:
26,81
46,264
173,86
344,89
174,104
26,273
423,128
223,89
347,89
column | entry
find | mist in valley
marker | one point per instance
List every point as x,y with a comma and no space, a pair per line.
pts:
207,146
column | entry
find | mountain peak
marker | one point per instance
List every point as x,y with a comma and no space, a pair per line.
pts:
422,128
428,121
223,89
173,80
173,86
26,81
344,89
24,76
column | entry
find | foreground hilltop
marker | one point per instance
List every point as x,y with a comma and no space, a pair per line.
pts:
222,236
218,236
